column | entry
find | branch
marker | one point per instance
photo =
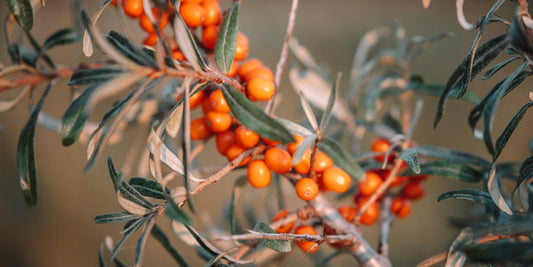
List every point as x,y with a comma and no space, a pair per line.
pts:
385,221
253,235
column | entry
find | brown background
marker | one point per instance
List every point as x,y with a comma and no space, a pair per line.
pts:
61,232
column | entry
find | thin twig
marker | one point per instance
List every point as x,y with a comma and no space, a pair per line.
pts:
253,235
433,259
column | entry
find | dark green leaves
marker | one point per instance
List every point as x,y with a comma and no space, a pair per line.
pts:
411,157
23,12
124,46
114,217
148,188
452,155
468,194
227,39
174,212
25,154
75,117
455,170
277,245
61,37
339,155
255,118
508,131
499,252
93,76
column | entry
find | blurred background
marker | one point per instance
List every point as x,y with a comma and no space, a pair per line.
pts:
60,231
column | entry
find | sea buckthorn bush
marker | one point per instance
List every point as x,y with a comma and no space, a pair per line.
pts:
349,162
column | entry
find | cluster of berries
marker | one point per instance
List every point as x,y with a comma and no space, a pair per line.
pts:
304,229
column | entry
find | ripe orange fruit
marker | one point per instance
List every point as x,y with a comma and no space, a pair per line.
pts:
322,162
291,147
370,184
308,247
178,55
209,37
241,51
413,190
285,228
212,13
246,137
247,67
193,14
278,160
401,207
199,129
223,141
347,212
261,72
233,69
133,8
381,145
218,121
370,215
150,40
114,2
259,174
194,100
260,89
337,180
218,102
234,150
304,165
161,19
306,189
270,142
420,177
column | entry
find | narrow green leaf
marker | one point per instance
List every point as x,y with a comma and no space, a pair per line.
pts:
445,168
94,76
61,37
114,217
141,242
133,195
294,128
237,187
438,89
76,116
148,188
254,117
26,155
525,173
509,129
160,236
129,229
187,44
489,73
411,157
499,252
116,177
339,155
468,194
23,13
174,212
308,111
126,48
452,155
304,146
227,39
282,246
493,185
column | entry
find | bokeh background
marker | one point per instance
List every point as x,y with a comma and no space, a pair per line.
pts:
60,231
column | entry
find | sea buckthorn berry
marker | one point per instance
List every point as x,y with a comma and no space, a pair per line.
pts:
150,40
322,162
247,67
218,102
398,180
223,141
199,129
419,178
259,174
278,160
291,147
308,247
286,228
261,72
347,212
193,14
114,2
209,37
194,100
370,184
161,19
304,165
133,8
234,150
233,69
212,13
270,142
401,207
178,55
370,215
206,105
218,121
246,137
260,89
241,51
306,189
381,145
413,190
337,180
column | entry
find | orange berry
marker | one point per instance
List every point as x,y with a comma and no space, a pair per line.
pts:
398,180
291,147
304,165
322,162
308,247
306,189
347,212
114,2
246,137
370,184
212,13
150,40
247,67
241,51
420,177
218,121
286,228
270,142
194,100
260,89
209,37
218,102
381,145
413,190
206,105
223,141
259,174
161,18
234,150
178,55
193,14
233,69
337,180
401,207
370,215
199,129
133,8
261,72
278,160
